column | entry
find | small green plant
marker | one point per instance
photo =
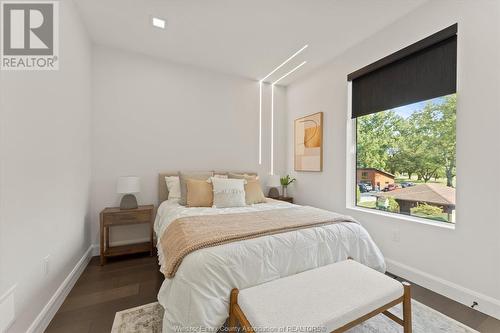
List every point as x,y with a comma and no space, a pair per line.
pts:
388,204
286,180
393,205
426,209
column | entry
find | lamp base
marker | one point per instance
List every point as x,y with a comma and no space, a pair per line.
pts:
273,193
128,202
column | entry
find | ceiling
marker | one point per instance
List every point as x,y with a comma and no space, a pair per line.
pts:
248,38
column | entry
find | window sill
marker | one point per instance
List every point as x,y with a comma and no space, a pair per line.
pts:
450,226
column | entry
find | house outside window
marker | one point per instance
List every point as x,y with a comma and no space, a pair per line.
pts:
405,116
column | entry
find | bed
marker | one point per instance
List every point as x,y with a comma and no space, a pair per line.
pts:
196,299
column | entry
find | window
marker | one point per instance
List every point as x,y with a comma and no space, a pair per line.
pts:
404,108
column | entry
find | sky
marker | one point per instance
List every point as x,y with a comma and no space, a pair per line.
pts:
407,110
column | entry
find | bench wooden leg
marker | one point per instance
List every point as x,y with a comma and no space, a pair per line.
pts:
233,300
407,308
236,315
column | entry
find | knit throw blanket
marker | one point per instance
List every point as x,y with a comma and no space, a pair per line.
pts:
189,234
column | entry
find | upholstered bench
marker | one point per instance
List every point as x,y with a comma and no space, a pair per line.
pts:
331,298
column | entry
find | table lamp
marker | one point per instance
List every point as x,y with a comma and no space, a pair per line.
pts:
274,183
128,186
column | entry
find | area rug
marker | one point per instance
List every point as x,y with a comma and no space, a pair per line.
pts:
148,319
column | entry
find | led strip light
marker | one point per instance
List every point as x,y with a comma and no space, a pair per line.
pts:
290,72
272,129
272,111
272,103
285,62
260,122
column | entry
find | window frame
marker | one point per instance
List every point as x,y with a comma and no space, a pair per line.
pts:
351,176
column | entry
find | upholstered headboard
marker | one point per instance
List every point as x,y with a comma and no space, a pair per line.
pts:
162,185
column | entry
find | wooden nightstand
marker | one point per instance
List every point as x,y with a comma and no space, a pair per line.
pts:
116,216
287,199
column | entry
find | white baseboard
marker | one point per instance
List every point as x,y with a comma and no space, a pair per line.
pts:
7,309
486,304
95,250
49,310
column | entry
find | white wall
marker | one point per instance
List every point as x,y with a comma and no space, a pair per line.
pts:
150,115
45,178
463,263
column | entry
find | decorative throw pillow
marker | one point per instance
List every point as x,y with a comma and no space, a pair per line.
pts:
228,192
199,193
173,186
242,176
221,175
253,192
190,175
218,175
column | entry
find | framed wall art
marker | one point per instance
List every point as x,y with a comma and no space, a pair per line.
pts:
308,143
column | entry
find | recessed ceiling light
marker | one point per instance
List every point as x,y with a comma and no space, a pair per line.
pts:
158,22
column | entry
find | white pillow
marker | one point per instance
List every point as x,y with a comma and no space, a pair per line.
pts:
228,192
217,176
174,187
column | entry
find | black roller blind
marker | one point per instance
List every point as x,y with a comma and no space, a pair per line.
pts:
421,71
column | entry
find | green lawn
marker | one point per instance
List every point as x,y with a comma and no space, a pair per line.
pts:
367,204
441,217
402,179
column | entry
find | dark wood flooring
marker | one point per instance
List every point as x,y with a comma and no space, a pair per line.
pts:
101,291
135,280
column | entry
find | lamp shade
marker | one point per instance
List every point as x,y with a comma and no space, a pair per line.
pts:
128,185
273,181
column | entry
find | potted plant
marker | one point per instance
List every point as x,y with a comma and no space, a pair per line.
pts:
285,181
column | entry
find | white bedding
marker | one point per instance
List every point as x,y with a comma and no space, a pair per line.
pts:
196,298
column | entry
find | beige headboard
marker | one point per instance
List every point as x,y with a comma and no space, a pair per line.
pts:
162,185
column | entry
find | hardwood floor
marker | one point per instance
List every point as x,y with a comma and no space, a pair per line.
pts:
135,280
101,291
464,314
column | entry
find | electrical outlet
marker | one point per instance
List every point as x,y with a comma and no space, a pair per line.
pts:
45,265
396,236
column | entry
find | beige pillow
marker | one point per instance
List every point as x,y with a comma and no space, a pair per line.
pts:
199,193
253,192
190,175
242,176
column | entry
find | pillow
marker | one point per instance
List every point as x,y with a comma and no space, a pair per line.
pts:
190,175
253,192
242,176
220,176
228,192
173,186
217,175
199,193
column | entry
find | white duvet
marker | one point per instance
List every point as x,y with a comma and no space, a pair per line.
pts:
196,298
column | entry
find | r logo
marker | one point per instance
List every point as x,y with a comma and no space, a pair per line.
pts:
28,29
29,35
